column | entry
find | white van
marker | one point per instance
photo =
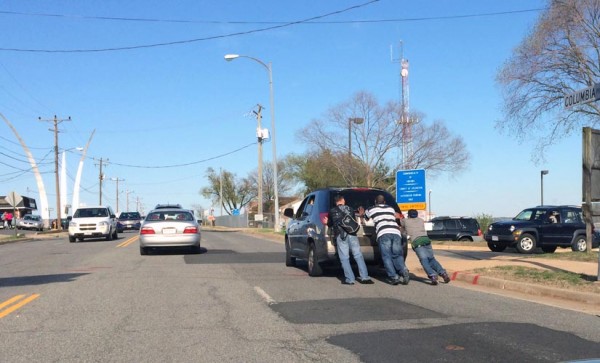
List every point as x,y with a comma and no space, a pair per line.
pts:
93,222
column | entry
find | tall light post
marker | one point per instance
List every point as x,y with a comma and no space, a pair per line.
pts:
429,204
230,57
117,180
542,173
352,120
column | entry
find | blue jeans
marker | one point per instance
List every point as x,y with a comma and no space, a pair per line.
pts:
392,255
431,266
343,248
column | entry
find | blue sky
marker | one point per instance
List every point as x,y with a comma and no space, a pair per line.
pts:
161,106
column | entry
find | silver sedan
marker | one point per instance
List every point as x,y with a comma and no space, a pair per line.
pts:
169,228
30,221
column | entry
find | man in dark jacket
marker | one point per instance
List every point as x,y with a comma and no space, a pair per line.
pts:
347,242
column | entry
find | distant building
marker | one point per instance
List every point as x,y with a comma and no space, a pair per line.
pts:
25,205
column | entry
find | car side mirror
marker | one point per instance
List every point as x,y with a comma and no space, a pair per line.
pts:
69,218
113,216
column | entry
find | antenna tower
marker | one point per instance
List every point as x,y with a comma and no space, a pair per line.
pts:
405,120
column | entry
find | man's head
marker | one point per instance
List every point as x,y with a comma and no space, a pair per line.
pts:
339,199
412,213
380,199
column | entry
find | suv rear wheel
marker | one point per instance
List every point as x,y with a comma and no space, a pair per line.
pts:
526,244
580,244
314,269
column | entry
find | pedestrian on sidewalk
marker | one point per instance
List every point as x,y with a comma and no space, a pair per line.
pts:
346,243
415,228
389,238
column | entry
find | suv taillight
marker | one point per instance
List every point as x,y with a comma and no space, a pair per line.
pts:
479,232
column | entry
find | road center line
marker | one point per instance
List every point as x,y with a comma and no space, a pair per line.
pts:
14,307
127,242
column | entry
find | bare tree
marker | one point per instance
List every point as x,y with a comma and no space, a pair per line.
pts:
236,192
560,56
284,182
367,152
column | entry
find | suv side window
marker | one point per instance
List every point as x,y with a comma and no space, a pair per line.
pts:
438,225
572,216
450,224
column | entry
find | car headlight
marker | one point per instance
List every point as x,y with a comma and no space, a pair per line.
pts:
512,228
490,228
103,224
517,233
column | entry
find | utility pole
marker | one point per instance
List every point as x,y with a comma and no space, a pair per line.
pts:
100,179
127,192
259,135
56,121
117,180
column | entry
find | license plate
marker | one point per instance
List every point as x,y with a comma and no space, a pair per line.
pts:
169,231
494,238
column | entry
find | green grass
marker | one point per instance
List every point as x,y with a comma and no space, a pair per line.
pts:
571,256
556,278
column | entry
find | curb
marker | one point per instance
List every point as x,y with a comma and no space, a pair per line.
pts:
523,287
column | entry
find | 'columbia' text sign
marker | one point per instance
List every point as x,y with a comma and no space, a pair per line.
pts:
583,96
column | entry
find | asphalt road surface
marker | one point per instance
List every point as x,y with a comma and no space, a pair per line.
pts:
101,301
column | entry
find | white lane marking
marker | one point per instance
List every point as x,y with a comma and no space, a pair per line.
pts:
269,300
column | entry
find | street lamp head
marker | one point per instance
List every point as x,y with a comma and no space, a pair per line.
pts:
230,57
545,172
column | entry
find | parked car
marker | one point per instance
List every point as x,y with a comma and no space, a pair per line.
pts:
30,221
308,238
93,222
464,229
546,227
129,221
169,227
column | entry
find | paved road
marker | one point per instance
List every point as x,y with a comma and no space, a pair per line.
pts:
101,301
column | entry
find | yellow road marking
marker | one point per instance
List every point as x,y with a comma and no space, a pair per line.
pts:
14,307
127,242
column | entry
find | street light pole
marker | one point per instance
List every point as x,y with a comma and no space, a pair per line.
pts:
230,57
542,173
351,120
429,204
259,135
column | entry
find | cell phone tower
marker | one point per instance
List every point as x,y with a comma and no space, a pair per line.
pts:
405,120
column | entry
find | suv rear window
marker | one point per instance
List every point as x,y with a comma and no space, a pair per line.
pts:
170,216
129,215
362,198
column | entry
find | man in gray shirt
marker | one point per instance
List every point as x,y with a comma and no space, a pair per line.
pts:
415,228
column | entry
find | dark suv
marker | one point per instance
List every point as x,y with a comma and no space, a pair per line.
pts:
546,227
308,238
129,221
455,229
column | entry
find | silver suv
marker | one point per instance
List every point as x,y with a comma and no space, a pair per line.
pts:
308,238
93,222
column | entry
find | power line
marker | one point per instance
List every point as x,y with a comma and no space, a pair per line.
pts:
186,164
243,22
278,26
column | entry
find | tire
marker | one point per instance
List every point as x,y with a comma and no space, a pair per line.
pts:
465,239
116,234
289,260
314,269
143,251
109,236
549,249
580,244
71,239
496,247
526,244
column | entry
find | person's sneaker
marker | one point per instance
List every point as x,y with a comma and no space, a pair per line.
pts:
405,277
434,280
393,280
446,277
365,281
347,282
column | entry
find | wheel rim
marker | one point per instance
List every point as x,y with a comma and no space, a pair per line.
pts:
581,244
526,244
